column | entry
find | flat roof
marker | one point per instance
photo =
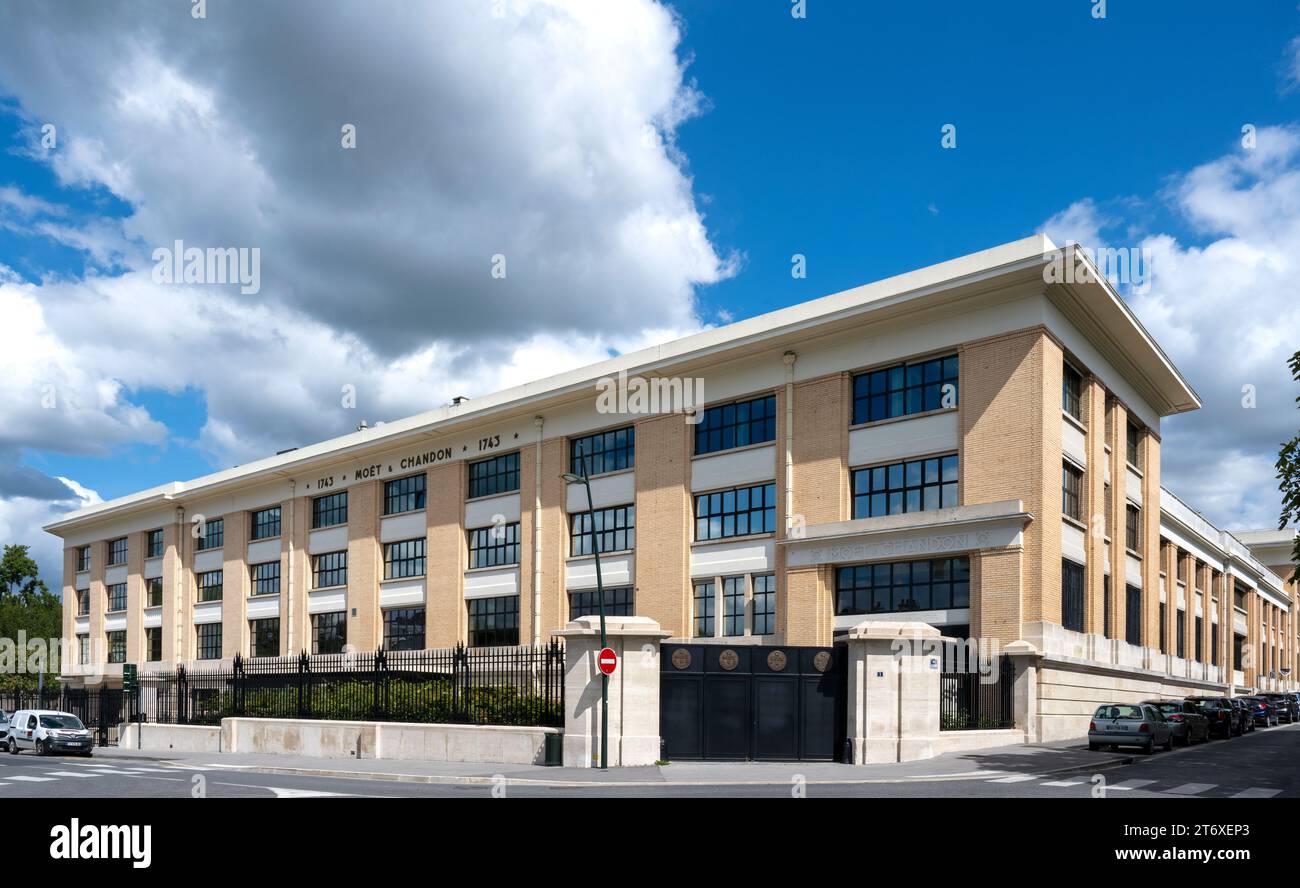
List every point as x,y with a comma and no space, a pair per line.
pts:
1093,304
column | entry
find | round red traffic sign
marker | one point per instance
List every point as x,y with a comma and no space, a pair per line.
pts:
607,660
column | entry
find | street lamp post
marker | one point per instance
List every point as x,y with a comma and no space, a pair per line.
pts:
582,479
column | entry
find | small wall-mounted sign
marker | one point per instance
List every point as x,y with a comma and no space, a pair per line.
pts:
934,662
880,675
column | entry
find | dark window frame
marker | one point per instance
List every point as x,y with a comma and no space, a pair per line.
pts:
909,388
83,559
1072,392
740,423
704,609
329,510
1133,444
494,622
723,509
153,644
620,536
265,523
118,551
213,536
764,604
495,546
404,628
153,592
83,602
331,566
405,558
905,484
856,585
115,641
494,476
115,598
1133,615
265,578
1133,526
1072,595
733,606
260,636
329,632
153,543
600,453
204,586
620,601
405,494
207,641
1071,490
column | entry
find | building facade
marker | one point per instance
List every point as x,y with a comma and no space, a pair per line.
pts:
975,445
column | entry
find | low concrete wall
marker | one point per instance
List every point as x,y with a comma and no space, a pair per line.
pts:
387,740
964,741
171,738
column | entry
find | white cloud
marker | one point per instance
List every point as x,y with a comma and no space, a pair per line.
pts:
22,517
1225,310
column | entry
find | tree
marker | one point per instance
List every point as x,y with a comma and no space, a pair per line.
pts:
20,575
1288,474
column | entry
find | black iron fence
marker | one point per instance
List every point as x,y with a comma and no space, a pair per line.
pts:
481,686
972,700
101,709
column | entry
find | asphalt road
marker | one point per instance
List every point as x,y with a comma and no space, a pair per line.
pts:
1265,764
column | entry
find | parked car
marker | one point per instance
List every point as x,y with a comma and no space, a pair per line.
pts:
4,723
1245,713
1130,724
1221,714
1186,720
1285,707
47,731
1261,711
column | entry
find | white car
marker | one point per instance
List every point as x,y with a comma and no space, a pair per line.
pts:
47,731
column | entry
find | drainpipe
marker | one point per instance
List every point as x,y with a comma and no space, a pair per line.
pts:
288,606
178,588
537,533
789,359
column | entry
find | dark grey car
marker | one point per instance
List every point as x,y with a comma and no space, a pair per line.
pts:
1130,724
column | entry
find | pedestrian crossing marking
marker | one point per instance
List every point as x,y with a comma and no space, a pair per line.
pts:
1062,783
1132,784
1190,788
1257,792
1016,778
27,779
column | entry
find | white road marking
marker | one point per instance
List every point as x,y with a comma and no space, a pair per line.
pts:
1191,788
1063,783
26,779
69,774
1256,792
1016,778
1131,784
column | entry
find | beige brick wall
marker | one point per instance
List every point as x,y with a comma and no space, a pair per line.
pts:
98,601
135,598
809,609
365,565
171,567
1094,506
70,647
820,449
663,510
234,585
446,556
295,579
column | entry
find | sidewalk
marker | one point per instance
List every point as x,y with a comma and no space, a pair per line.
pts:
1041,760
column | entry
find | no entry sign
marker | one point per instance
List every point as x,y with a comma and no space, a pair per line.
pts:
607,660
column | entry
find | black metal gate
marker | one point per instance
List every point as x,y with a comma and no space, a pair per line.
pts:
751,703
102,710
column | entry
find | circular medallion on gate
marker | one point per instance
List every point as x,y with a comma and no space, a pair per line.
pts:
728,659
682,658
822,661
777,661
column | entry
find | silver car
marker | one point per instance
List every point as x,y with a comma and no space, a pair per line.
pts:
1129,724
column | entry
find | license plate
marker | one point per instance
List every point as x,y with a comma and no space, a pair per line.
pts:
1120,728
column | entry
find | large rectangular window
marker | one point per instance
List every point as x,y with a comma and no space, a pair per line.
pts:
212,534
913,486
329,569
494,546
329,510
153,592
329,632
618,603
733,605
1071,595
615,526
1180,634
404,629
765,604
738,424
153,644
1133,615
116,646
904,389
208,641
603,452
1072,392
83,559
1214,644
1164,632
704,609
83,650
210,585
494,622
1132,439
404,559
1238,651
153,544
264,636
1132,527
266,523
488,477
893,587
737,512
404,494
1105,607
1071,491
117,551
117,597
1198,646
266,578
83,602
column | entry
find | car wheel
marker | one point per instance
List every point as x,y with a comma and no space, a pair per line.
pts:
1169,744
1093,747
13,746
1150,748
40,747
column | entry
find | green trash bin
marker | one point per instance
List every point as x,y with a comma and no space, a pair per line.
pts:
554,749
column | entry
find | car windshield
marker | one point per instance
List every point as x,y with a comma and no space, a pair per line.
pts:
1169,707
1113,712
1206,704
66,722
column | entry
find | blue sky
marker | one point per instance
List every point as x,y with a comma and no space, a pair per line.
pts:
818,136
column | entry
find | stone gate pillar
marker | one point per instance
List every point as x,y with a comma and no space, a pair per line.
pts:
893,691
633,692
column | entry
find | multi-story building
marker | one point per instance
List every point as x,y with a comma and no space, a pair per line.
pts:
975,445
